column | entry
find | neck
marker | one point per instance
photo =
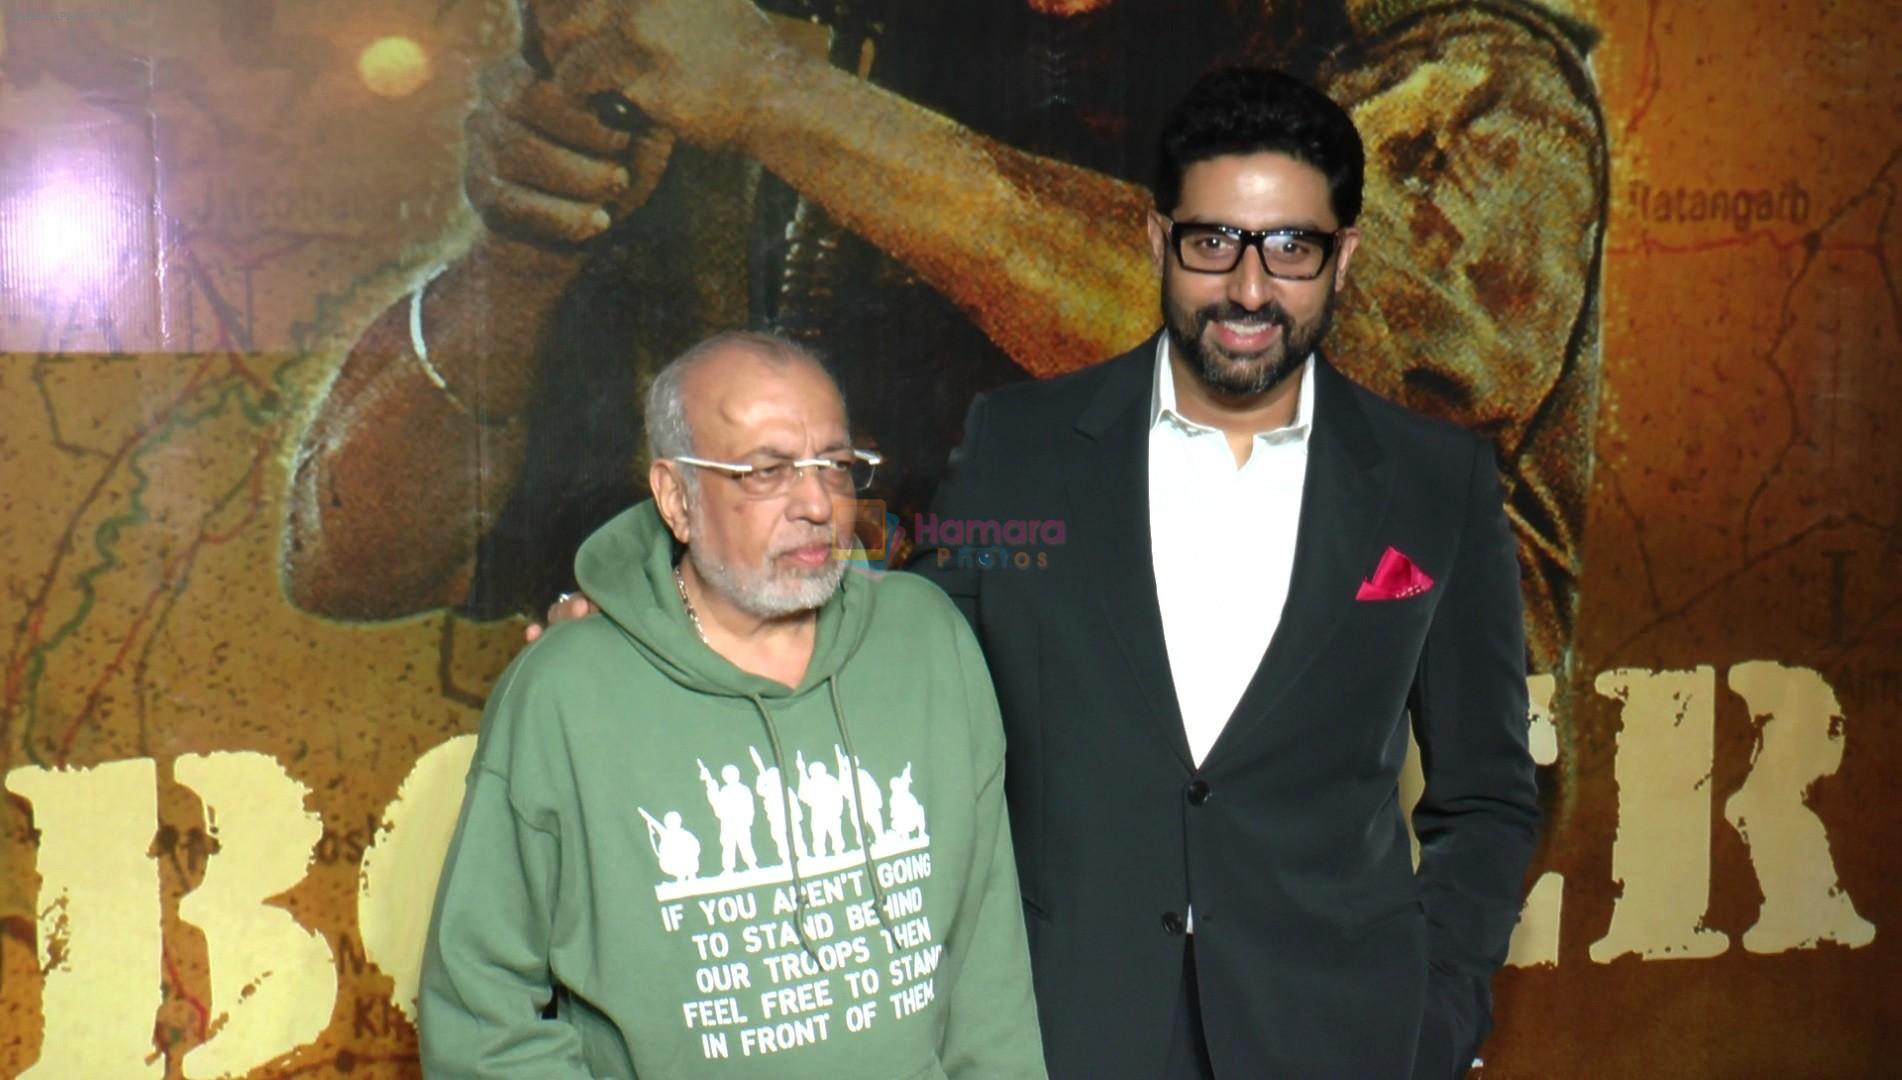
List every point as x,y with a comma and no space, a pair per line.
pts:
777,648
1240,417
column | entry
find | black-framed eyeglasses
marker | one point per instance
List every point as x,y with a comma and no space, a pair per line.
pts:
1289,254
846,472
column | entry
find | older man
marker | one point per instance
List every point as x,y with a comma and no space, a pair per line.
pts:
583,927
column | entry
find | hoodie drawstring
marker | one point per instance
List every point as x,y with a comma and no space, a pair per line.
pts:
792,851
786,794
858,798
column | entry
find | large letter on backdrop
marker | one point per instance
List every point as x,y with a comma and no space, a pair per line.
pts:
398,881
273,982
99,918
1800,741
1664,761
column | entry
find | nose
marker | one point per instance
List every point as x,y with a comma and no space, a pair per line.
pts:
1249,284
809,499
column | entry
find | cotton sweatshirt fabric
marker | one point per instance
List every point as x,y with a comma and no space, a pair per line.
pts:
623,847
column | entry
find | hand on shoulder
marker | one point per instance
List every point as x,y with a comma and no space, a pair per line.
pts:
566,606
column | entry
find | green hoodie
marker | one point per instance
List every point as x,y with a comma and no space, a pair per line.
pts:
622,849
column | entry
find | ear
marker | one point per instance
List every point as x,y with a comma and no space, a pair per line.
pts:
1158,240
1349,240
670,496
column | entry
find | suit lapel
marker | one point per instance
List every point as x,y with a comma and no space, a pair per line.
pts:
1106,467
1343,500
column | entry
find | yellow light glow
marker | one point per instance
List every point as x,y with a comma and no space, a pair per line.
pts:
393,67
63,240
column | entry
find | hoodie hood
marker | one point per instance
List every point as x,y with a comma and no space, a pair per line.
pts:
627,569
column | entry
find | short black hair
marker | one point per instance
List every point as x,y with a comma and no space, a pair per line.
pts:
1253,110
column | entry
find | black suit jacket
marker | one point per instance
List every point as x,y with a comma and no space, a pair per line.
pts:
1320,952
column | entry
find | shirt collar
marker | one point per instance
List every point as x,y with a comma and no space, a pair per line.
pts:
1162,401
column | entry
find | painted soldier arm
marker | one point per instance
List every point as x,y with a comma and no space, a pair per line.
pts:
1478,816
1473,300
412,452
1038,253
1043,256
397,477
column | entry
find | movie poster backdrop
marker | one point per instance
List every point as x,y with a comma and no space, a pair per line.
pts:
323,328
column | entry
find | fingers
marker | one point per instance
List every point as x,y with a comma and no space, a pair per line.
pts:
512,88
567,607
526,213
541,168
522,155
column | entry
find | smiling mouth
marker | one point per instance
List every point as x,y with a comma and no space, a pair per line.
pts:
1247,335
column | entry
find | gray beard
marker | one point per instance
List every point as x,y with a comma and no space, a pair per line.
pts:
761,593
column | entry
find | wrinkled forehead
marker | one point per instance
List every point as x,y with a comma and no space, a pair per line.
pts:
740,403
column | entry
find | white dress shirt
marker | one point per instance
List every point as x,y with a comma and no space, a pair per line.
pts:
1222,538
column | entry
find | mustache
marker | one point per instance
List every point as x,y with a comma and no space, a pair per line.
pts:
817,536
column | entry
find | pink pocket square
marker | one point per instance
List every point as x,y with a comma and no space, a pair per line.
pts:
1395,579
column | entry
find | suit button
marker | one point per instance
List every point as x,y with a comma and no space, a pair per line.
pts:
1198,792
1173,923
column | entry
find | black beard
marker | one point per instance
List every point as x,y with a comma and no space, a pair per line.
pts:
1216,368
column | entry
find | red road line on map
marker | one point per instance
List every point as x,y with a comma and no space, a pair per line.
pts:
256,490
1649,81
31,638
237,367
118,659
167,580
16,664
178,983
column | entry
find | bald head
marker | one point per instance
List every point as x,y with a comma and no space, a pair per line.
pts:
706,376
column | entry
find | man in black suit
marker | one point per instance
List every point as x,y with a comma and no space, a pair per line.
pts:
1240,575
